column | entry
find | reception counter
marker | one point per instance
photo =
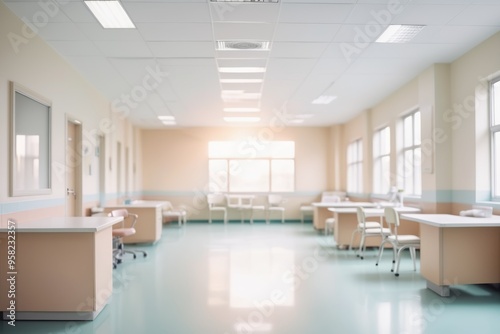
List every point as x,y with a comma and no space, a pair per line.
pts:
60,268
458,250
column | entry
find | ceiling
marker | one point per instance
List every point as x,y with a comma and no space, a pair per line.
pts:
169,64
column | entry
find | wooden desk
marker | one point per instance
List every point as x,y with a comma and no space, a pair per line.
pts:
321,213
149,224
458,250
346,221
63,268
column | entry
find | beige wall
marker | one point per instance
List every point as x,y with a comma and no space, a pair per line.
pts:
455,142
37,67
175,164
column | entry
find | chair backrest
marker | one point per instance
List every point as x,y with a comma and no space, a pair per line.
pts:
123,213
215,200
246,201
360,213
392,219
274,200
332,196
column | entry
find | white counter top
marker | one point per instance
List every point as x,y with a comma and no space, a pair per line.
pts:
376,211
63,224
343,204
138,204
445,220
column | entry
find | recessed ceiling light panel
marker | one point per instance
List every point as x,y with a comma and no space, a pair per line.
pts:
110,14
399,33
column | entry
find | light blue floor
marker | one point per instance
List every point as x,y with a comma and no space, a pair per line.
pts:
267,279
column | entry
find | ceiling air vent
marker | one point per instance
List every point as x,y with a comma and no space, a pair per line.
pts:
243,45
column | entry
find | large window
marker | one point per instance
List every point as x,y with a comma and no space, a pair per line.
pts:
495,137
411,166
355,167
382,161
251,166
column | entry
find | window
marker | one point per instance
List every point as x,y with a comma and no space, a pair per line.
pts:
355,167
411,176
251,166
382,161
495,137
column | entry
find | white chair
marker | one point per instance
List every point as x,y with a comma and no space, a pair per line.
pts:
332,196
274,205
398,242
179,214
258,208
305,210
367,230
216,203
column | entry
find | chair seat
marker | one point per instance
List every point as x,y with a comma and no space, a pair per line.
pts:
217,208
369,225
123,232
382,231
406,239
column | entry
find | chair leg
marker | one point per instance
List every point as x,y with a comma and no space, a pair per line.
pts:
413,253
380,252
352,238
210,216
283,217
394,257
361,249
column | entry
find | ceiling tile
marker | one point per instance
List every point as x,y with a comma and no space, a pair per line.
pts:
167,12
314,13
182,49
175,31
428,14
75,48
481,15
297,50
291,32
62,31
34,12
126,49
96,32
243,31
244,12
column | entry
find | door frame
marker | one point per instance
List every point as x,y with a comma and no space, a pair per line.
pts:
78,168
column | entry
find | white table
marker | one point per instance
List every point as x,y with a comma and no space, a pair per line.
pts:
458,250
63,267
346,222
242,203
321,213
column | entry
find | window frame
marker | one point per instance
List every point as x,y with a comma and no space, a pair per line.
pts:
494,129
378,159
246,154
413,148
355,166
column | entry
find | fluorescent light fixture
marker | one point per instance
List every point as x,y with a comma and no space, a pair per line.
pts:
324,99
240,109
110,14
257,1
242,96
242,69
232,91
169,122
399,33
166,118
241,119
241,80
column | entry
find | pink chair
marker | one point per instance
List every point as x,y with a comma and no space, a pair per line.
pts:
119,233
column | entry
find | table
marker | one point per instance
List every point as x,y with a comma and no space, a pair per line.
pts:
149,226
321,213
241,203
458,250
346,221
63,267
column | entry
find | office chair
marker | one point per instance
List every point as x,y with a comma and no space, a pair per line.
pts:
119,233
398,242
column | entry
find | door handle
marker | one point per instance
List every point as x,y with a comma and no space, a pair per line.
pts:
70,192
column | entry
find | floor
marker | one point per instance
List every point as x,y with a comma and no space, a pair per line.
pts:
269,279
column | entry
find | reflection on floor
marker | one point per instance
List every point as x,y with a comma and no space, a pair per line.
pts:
287,279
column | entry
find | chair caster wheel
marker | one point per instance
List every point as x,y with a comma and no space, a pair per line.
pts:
392,270
361,257
145,254
376,264
119,261
135,256
397,274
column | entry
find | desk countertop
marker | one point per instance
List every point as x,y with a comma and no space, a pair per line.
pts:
138,204
63,224
445,220
343,204
375,211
